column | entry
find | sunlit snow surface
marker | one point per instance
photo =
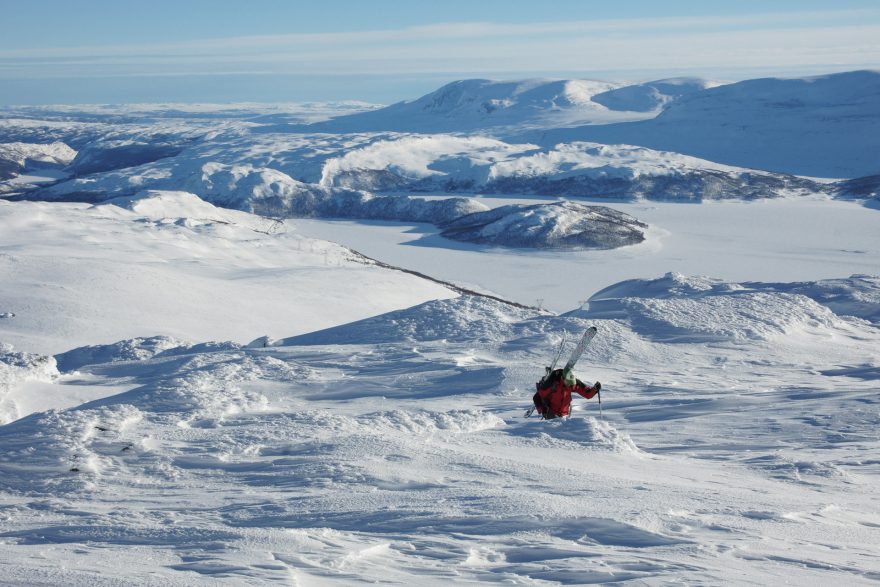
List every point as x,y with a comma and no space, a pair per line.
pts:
742,449
191,394
737,442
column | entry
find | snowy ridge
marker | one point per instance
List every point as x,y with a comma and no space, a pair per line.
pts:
825,126
764,308
262,191
135,349
273,194
463,318
576,169
487,106
440,164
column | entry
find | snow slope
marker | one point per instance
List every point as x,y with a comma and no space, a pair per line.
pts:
825,126
652,96
394,451
170,263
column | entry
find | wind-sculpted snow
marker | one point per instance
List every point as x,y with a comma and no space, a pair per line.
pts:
738,316
136,349
392,453
679,308
588,432
561,225
430,423
857,295
463,318
704,306
16,368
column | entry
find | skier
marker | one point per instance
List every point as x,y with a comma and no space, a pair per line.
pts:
553,398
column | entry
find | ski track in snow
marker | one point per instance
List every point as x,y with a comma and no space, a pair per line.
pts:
409,460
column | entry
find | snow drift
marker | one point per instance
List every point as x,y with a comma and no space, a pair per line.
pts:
676,308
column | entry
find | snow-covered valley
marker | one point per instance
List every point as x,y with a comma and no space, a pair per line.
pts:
239,345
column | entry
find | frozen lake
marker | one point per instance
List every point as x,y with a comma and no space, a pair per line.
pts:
771,240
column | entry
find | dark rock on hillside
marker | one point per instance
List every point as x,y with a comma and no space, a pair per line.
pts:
560,225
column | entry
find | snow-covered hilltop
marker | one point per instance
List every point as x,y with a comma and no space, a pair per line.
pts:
561,225
825,126
479,105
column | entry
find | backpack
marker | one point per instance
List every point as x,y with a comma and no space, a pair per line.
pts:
545,389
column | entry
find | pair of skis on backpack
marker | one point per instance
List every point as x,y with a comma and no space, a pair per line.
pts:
572,360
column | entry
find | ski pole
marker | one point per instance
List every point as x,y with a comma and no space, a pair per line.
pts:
599,393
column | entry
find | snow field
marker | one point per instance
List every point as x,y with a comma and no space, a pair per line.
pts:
400,458
179,267
372,431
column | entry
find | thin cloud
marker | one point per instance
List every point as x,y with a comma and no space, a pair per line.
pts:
805,39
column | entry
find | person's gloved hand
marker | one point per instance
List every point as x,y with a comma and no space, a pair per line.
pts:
598,386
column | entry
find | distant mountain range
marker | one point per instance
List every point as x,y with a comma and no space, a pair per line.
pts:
677,139
825,126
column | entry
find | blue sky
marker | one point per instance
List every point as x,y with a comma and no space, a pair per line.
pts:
102,51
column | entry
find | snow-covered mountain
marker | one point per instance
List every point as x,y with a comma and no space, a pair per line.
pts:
825,126
479,105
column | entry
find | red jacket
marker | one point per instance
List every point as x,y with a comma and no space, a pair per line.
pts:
553,399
